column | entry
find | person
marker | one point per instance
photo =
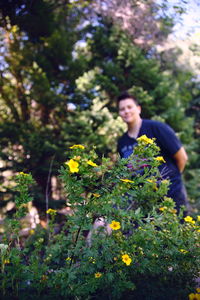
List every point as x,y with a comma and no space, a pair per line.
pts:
170,146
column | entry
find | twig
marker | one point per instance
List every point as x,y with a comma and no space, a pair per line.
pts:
47,189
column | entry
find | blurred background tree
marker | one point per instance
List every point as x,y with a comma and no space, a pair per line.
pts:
38,74
182,57
63,65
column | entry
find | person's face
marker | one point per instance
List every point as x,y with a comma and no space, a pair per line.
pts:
129,111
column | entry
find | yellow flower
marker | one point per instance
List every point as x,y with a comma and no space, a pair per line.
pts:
77,147
127,180
145,140
32,231
6,261
189,219
183,251
150,180
14,28
198,290
194,296
140,249
97,275
96,195
91,163
92,260
162,208
68,258
44,278
77,157
155,255
73,166
23,174
198,218
165,181
173,211
115,225
154,184
126,259
160,158
51,211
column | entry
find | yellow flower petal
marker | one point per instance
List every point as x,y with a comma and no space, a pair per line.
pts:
162,208
183,251
127,180
150,180
51,211
77,147
96,195
160,158
91,163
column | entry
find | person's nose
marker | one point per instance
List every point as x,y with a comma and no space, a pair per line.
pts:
126,110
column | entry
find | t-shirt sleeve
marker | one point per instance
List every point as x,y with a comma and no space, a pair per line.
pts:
167,139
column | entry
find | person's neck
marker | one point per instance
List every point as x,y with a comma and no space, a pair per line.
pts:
133,129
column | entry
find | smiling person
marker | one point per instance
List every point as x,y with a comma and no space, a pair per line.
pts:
171,148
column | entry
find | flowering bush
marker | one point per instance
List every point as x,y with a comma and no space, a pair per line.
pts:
123,238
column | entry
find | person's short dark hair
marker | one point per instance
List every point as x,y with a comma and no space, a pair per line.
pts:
126,95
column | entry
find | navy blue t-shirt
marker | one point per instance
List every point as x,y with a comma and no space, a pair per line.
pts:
169,144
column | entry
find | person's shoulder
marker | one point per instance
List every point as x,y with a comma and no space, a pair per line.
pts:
154,123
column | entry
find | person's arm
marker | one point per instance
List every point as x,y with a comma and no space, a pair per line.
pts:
181,158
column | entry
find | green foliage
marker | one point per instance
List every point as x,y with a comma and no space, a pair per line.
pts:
34,84
106,249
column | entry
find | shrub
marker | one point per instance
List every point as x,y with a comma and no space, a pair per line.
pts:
123,238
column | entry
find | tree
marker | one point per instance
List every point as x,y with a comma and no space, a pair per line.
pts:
36,85
147,22
180,57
